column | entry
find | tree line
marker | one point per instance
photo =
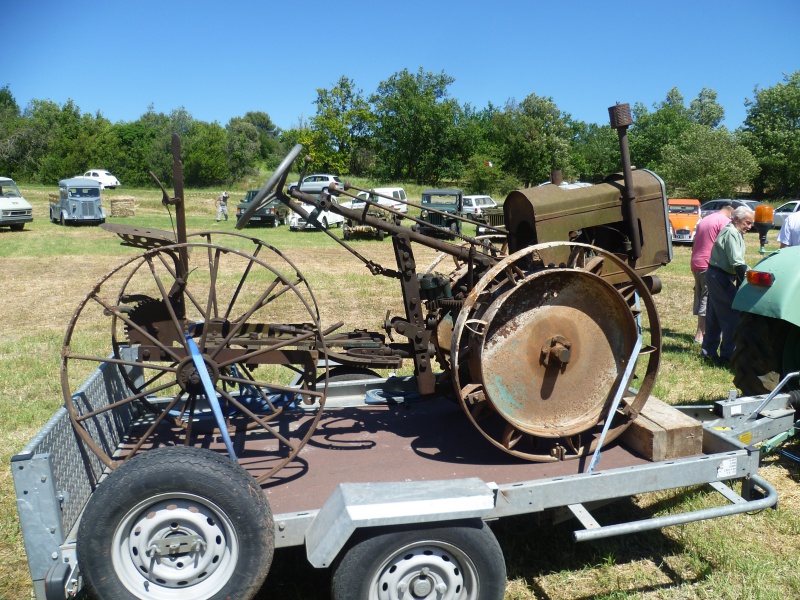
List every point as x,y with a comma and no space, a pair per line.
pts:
411,129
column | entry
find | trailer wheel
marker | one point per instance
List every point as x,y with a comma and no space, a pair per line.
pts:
176,523
457,562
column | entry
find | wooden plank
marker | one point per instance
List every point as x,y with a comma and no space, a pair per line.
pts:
663,433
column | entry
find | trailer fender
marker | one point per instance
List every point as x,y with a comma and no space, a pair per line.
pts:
357,505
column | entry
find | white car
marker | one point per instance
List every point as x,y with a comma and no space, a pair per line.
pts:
106,179
326,218
476,204
783,211
398,201
15,211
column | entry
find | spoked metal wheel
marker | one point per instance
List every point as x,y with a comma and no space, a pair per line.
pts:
541,348
224,350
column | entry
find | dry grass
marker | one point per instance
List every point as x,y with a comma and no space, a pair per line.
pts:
47,270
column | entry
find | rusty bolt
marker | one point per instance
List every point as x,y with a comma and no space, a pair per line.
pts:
558,348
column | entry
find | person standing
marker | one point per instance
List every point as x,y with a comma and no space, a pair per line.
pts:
726,271
704,237
222,206
789,235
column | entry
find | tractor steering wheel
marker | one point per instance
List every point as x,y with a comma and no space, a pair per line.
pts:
270,189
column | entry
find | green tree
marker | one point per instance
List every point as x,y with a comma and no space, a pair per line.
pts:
707,163
652,131
10,123
242,148
533,138
705,110
203,152
594,151
771,131
342,126
268,132
415,127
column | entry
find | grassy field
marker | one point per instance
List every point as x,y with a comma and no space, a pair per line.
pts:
46,270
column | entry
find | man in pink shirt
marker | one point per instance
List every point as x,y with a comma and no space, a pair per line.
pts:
704,237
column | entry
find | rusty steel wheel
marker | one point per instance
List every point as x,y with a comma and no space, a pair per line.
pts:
246,315
541,347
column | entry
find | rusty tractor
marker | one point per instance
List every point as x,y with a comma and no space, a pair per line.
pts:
538,329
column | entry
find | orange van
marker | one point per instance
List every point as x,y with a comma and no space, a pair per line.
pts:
684,213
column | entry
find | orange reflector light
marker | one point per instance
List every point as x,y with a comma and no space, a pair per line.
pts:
760,278
764,213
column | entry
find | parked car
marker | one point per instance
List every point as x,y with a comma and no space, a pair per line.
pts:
476,205
398,202
714,205
352,229
272,214
78,201
326,218
15,211
316,183
684,214
449,201
783,211
106,179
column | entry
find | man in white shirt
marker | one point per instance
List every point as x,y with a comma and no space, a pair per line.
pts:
789,235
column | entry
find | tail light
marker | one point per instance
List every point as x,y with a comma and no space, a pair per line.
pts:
760,278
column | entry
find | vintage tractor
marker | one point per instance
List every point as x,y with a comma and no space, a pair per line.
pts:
537,331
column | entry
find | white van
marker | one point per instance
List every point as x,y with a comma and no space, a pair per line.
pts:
15,211
398,203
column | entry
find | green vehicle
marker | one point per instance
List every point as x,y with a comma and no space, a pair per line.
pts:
768,335
449,204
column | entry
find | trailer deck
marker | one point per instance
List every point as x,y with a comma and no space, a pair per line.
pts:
394,459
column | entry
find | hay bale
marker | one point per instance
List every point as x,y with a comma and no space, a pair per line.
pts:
123,206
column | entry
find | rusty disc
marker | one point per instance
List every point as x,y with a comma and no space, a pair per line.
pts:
540,347
554,350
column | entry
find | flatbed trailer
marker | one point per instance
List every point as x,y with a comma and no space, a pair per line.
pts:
383,459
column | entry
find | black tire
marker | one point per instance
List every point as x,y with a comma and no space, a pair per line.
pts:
454,229
381,235
766,350
181,491
463,557
17,226
62,220
324,222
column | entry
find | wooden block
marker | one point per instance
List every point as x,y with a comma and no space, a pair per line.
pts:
663,433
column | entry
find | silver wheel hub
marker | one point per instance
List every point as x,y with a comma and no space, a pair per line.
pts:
175,546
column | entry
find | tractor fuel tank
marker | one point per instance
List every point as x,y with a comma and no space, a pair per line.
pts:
593,215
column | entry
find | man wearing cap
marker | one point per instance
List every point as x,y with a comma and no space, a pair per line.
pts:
726,270
222,206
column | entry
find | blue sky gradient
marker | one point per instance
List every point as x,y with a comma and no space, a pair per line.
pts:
220,60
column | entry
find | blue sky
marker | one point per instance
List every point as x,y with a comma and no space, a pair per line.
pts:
220,60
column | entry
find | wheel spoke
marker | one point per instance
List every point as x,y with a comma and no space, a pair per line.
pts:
122,402
243,278
259,420
186,291
155,424
179,327
255,353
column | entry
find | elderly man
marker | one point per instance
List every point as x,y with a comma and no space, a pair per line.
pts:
726,270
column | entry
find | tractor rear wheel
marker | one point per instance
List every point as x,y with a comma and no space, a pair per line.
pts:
766,350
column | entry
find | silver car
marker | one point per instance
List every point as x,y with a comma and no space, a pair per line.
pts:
315,184
783,211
